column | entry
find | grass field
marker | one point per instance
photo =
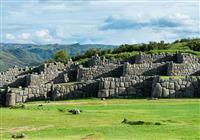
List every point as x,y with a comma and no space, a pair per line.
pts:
179,118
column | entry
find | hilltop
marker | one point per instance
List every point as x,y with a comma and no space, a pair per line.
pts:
32,55
125,51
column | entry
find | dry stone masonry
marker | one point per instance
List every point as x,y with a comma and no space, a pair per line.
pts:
136,86
144,75
173,87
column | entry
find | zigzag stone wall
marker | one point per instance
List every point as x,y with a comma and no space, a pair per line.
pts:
175,69
111,70
176,87
136,86
148,69
14,77
21,95
75,90
100,61
52,72
186,58
154,58
104,78
159,58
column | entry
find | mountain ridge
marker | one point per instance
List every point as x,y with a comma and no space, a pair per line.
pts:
12,54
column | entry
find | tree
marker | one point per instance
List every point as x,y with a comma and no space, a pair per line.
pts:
194,44
61,56
91,52
78,54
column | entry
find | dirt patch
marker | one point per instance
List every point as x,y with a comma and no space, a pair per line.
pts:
63,103
92,137
25,128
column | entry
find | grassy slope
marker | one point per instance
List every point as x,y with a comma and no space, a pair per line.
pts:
102,120
172,49
182,47
7,60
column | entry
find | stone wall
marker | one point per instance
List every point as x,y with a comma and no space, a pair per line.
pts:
96,61
45,73
22,95
52,72
43,78
13,77
104,79
173,87
75,90
154,58
135,86
182,69
99,61
159,58
51,67
148,69
186,58
111,70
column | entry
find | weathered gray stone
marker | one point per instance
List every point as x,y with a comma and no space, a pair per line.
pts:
10,99
165,92
106,84
131,91
112,85
172,93
171,86
104,93
112,92
122,90
157,91
122,84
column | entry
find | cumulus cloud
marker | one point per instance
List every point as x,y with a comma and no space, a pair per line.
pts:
172,21
144,29
109,22
24,36
43,35
10,37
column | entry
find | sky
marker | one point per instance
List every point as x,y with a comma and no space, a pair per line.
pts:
98,21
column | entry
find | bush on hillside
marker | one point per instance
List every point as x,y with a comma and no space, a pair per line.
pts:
61,56
194,44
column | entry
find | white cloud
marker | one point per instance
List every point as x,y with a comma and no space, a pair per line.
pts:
69,22
42,33
24,36
43,36
10,37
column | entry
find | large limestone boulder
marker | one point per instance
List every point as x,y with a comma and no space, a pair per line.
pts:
10,99
157,90
103,93
165,92
75,111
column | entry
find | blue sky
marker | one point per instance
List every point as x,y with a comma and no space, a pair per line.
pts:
98,21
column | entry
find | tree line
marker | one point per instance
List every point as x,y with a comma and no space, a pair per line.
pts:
63,55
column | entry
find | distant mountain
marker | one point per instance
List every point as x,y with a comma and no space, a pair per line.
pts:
31,54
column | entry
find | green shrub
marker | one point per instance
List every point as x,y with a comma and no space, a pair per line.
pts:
61,56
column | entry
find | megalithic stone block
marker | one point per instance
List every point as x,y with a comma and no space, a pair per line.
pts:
157,90
10,99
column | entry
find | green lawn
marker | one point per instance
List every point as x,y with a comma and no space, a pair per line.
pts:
179,118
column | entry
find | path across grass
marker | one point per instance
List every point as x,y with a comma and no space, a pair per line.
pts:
179,118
